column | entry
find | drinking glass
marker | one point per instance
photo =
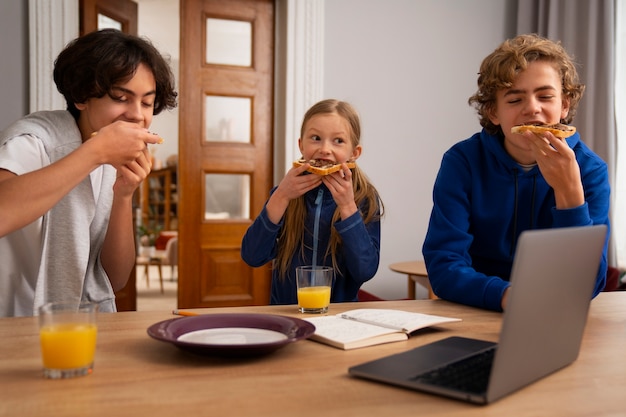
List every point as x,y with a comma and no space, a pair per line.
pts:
67,332
314,284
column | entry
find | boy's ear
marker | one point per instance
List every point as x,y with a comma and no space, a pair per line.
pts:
491,114
564,108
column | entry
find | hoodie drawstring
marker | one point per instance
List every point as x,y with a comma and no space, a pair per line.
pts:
316,225
532,203
532,211
514,231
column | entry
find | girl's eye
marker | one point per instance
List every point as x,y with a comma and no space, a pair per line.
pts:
315,138
147,105
339,140
547,97
514,100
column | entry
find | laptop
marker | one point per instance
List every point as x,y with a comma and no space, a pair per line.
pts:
553,277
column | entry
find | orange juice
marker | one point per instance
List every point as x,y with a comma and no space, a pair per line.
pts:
314,297
68,345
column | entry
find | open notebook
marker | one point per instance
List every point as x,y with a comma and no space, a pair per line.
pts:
552,282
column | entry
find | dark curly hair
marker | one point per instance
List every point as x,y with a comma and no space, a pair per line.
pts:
499,69
91,65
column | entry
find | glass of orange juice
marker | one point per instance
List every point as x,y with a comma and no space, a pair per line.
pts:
67,332
314,284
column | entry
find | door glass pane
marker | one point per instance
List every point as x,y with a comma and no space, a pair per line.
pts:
105,22
228,42
227,119
227,196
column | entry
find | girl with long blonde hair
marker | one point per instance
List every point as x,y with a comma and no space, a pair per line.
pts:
309,219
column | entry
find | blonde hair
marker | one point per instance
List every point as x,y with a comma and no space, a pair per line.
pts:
366,196
499,70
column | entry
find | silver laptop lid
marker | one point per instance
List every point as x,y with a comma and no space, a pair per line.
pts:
552,281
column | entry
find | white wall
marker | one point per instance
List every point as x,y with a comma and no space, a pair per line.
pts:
409,67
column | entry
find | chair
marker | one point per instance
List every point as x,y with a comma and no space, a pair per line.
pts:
363,295
155,260
612,279
170,256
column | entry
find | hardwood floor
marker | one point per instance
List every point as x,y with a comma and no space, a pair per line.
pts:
149,297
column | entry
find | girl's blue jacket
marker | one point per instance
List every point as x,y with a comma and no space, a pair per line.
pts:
357,258
483,200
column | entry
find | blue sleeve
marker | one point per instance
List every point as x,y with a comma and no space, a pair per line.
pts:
448,240
361,246
258,245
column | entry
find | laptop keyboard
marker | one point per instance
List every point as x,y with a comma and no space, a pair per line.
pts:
469,375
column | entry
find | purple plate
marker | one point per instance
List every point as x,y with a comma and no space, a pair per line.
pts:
236,334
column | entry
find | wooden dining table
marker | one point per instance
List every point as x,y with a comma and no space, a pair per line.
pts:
136,375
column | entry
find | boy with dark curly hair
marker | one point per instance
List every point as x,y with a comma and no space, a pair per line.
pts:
67,177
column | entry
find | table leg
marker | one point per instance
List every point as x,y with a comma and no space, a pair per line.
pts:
422,280
411,288
161,276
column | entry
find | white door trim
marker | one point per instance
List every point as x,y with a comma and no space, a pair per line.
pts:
52,24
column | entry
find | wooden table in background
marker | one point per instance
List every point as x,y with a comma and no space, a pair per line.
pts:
416,272
135,375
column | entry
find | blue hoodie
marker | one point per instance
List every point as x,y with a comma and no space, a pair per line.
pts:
483,200
357,258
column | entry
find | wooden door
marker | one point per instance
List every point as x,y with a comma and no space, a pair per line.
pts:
225,144
122,13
